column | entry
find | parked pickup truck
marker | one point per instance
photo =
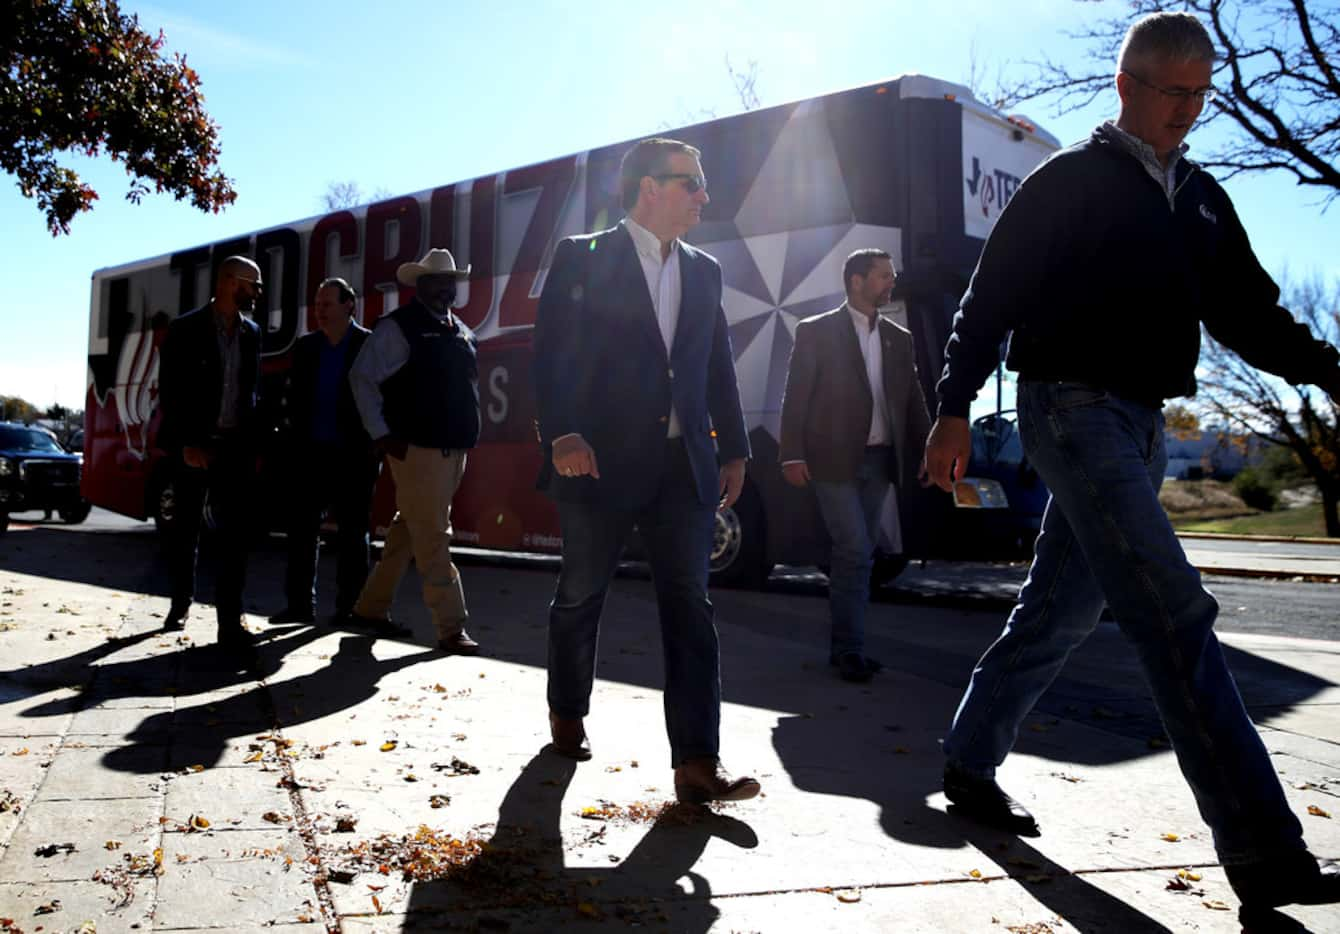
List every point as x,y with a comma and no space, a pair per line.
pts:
37,473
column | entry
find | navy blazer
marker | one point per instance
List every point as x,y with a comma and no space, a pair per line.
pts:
601,370
190,380
301,388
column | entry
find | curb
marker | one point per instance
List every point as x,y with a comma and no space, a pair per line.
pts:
1228,537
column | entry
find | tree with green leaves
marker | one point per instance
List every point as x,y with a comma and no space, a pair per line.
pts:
79,76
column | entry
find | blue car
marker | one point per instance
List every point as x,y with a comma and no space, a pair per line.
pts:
37,473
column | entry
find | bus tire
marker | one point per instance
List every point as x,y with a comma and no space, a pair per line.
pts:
73,515
739,543
162,504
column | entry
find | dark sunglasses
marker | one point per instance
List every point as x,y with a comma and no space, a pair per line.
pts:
692,183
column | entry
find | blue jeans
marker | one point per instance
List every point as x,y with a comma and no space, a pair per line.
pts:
851,512
1106,539
676,530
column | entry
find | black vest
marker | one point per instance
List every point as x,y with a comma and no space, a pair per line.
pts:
433,400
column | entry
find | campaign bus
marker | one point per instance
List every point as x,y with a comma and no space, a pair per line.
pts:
914,165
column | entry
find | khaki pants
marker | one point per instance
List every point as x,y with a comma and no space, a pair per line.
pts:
425,482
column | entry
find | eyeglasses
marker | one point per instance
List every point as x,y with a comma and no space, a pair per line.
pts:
692,183
254,283
1199,95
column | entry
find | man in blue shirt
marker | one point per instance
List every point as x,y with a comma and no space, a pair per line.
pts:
333,463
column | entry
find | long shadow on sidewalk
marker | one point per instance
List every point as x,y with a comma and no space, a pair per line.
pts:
521,867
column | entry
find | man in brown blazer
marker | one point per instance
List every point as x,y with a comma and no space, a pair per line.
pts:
850,443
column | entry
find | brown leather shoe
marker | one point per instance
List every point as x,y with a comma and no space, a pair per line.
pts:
569,737
698,781
458,643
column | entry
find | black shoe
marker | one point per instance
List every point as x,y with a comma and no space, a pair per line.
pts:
378,627
175,621
874,664
235,640
288,617
1297,878
458,643
987,803
852,667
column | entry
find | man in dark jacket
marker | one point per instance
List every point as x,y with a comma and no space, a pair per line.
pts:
641,425
208,385
417,388
1102,269
854,426
333,463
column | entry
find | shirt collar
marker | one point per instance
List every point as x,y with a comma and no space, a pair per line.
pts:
860,321
1142,150
647,242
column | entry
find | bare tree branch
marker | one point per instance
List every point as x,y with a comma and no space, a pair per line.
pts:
1279,71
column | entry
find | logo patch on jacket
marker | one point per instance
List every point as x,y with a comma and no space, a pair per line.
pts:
1208,214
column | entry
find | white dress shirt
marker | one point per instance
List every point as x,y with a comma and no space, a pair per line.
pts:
868,339
664,287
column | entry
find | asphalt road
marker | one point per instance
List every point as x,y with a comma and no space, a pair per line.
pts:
1276,607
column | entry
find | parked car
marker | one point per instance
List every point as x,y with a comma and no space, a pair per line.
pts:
37,473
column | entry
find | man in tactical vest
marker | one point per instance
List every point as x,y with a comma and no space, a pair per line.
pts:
417,388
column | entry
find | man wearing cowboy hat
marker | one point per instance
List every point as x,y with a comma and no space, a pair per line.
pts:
417,389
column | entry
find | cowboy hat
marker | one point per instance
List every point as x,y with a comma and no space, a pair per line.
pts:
434,263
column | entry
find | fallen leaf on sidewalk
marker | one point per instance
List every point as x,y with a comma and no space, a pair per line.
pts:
848,896
1170,837
254,757
275,817
1317,812
588,910
112,845
345,823
51,849
1073,779
197,822
1188,875
389,745
439,801
21,752
1214,904
358,742
975,873
50,907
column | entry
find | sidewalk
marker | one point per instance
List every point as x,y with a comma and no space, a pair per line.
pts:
347,784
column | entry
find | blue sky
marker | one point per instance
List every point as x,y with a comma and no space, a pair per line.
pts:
407,95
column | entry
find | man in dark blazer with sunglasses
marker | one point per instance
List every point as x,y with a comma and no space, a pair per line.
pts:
641,425
208,388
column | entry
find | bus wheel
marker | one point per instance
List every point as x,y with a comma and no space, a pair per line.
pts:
163,506
77,513
739,549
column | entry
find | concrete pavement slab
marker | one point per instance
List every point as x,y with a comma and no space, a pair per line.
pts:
83,774
231,798
234,878
37,850
119,910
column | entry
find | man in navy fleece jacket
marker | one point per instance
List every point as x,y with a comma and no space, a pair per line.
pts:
1101,270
